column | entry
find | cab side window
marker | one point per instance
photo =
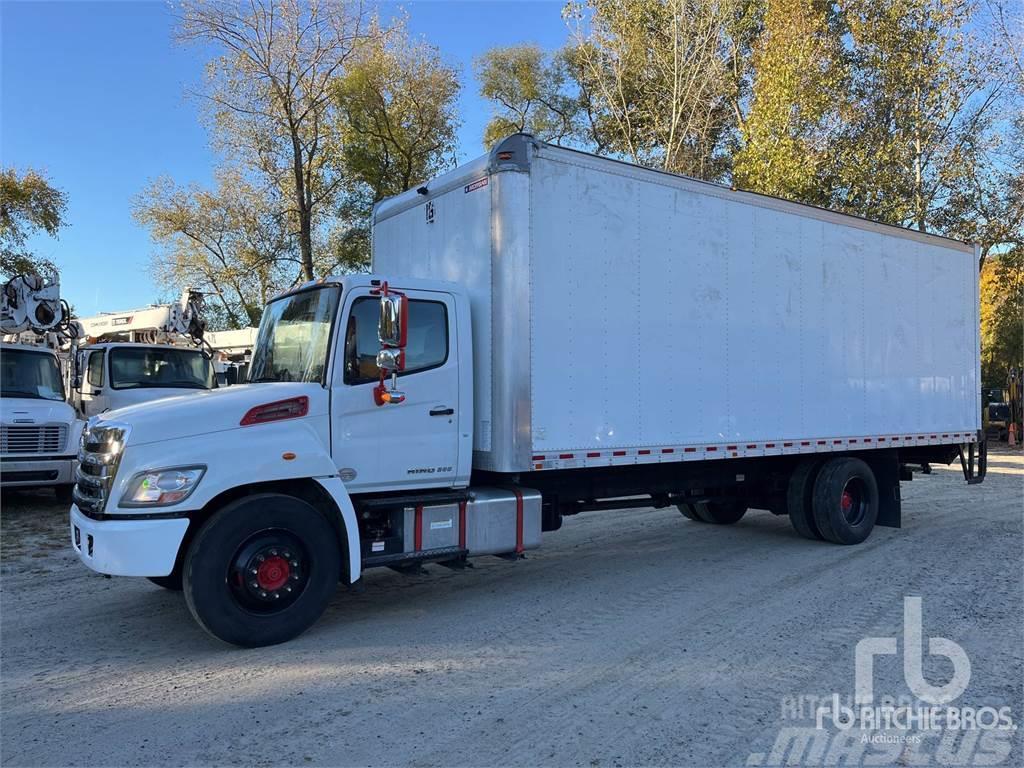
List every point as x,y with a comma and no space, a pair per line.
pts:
426,348
95,374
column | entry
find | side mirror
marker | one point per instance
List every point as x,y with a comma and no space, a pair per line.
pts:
392,332
76,383
392,329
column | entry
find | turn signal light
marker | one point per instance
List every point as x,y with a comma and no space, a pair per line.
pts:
292,408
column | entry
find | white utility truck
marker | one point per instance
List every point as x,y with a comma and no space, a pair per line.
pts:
141,355
545,332
39,432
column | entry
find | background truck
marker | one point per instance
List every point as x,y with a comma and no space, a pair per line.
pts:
138,355
545,332
39,432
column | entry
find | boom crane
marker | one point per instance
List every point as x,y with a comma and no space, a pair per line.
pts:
31,304
39,431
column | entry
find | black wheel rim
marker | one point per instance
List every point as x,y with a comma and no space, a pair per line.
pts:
853,501
269,571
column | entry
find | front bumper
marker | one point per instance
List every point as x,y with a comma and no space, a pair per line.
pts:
33,472
127,547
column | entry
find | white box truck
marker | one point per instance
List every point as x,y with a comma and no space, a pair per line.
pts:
545,332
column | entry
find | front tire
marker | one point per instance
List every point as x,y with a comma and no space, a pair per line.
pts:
845,501
262,570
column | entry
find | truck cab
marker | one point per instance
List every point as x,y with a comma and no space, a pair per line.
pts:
39,432
115,375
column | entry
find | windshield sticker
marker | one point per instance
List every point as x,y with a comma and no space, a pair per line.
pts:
479,183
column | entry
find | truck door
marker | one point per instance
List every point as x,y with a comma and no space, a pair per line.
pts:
412,444
93,395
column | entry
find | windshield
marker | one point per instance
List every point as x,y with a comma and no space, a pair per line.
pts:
294,337
138,367
24,373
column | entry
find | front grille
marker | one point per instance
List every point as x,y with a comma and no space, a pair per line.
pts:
102,447
49,439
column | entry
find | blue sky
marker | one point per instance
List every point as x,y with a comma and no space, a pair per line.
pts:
93,93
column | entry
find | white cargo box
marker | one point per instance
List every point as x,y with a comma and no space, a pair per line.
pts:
624,315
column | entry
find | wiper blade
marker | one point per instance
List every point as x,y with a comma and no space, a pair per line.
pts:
263,378
22,393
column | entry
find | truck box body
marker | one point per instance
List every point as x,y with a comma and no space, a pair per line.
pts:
626,315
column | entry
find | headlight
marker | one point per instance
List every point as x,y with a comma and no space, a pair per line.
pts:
162,487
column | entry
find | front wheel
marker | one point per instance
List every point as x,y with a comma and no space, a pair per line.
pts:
262,570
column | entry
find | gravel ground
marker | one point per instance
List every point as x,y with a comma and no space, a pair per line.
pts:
631,638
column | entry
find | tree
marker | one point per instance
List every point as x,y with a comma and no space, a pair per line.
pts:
797,99
269,93
233,243
659,72
529,90
396,124
923,95
28,204
1002,310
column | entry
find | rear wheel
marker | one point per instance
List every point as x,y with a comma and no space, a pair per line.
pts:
845,501
689,512
800,498
262,570
720,512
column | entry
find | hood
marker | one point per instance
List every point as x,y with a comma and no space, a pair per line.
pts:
138,395
205,411
30,410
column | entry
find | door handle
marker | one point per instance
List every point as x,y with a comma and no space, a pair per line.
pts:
442,411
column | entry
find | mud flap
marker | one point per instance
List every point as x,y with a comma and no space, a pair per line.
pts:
886,466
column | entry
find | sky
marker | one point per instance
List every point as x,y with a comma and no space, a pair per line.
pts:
94,95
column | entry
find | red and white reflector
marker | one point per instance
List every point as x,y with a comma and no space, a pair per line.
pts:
292,408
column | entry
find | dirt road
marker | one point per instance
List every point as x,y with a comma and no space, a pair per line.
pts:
631,638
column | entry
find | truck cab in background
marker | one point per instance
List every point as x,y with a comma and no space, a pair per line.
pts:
39,431
140,355
116,375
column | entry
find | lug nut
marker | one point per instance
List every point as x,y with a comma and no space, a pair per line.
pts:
273,553
295,563
263,593
254,585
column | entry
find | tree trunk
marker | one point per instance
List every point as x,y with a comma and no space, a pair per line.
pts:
305,212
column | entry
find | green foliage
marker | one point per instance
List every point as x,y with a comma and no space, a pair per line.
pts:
232,242
28,204
528,90
1002,315
800,73
396,127
660,78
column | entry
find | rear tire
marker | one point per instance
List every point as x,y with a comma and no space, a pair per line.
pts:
689,512
720,512
800,499
845,501
262,570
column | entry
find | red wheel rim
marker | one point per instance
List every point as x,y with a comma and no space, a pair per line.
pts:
273,573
